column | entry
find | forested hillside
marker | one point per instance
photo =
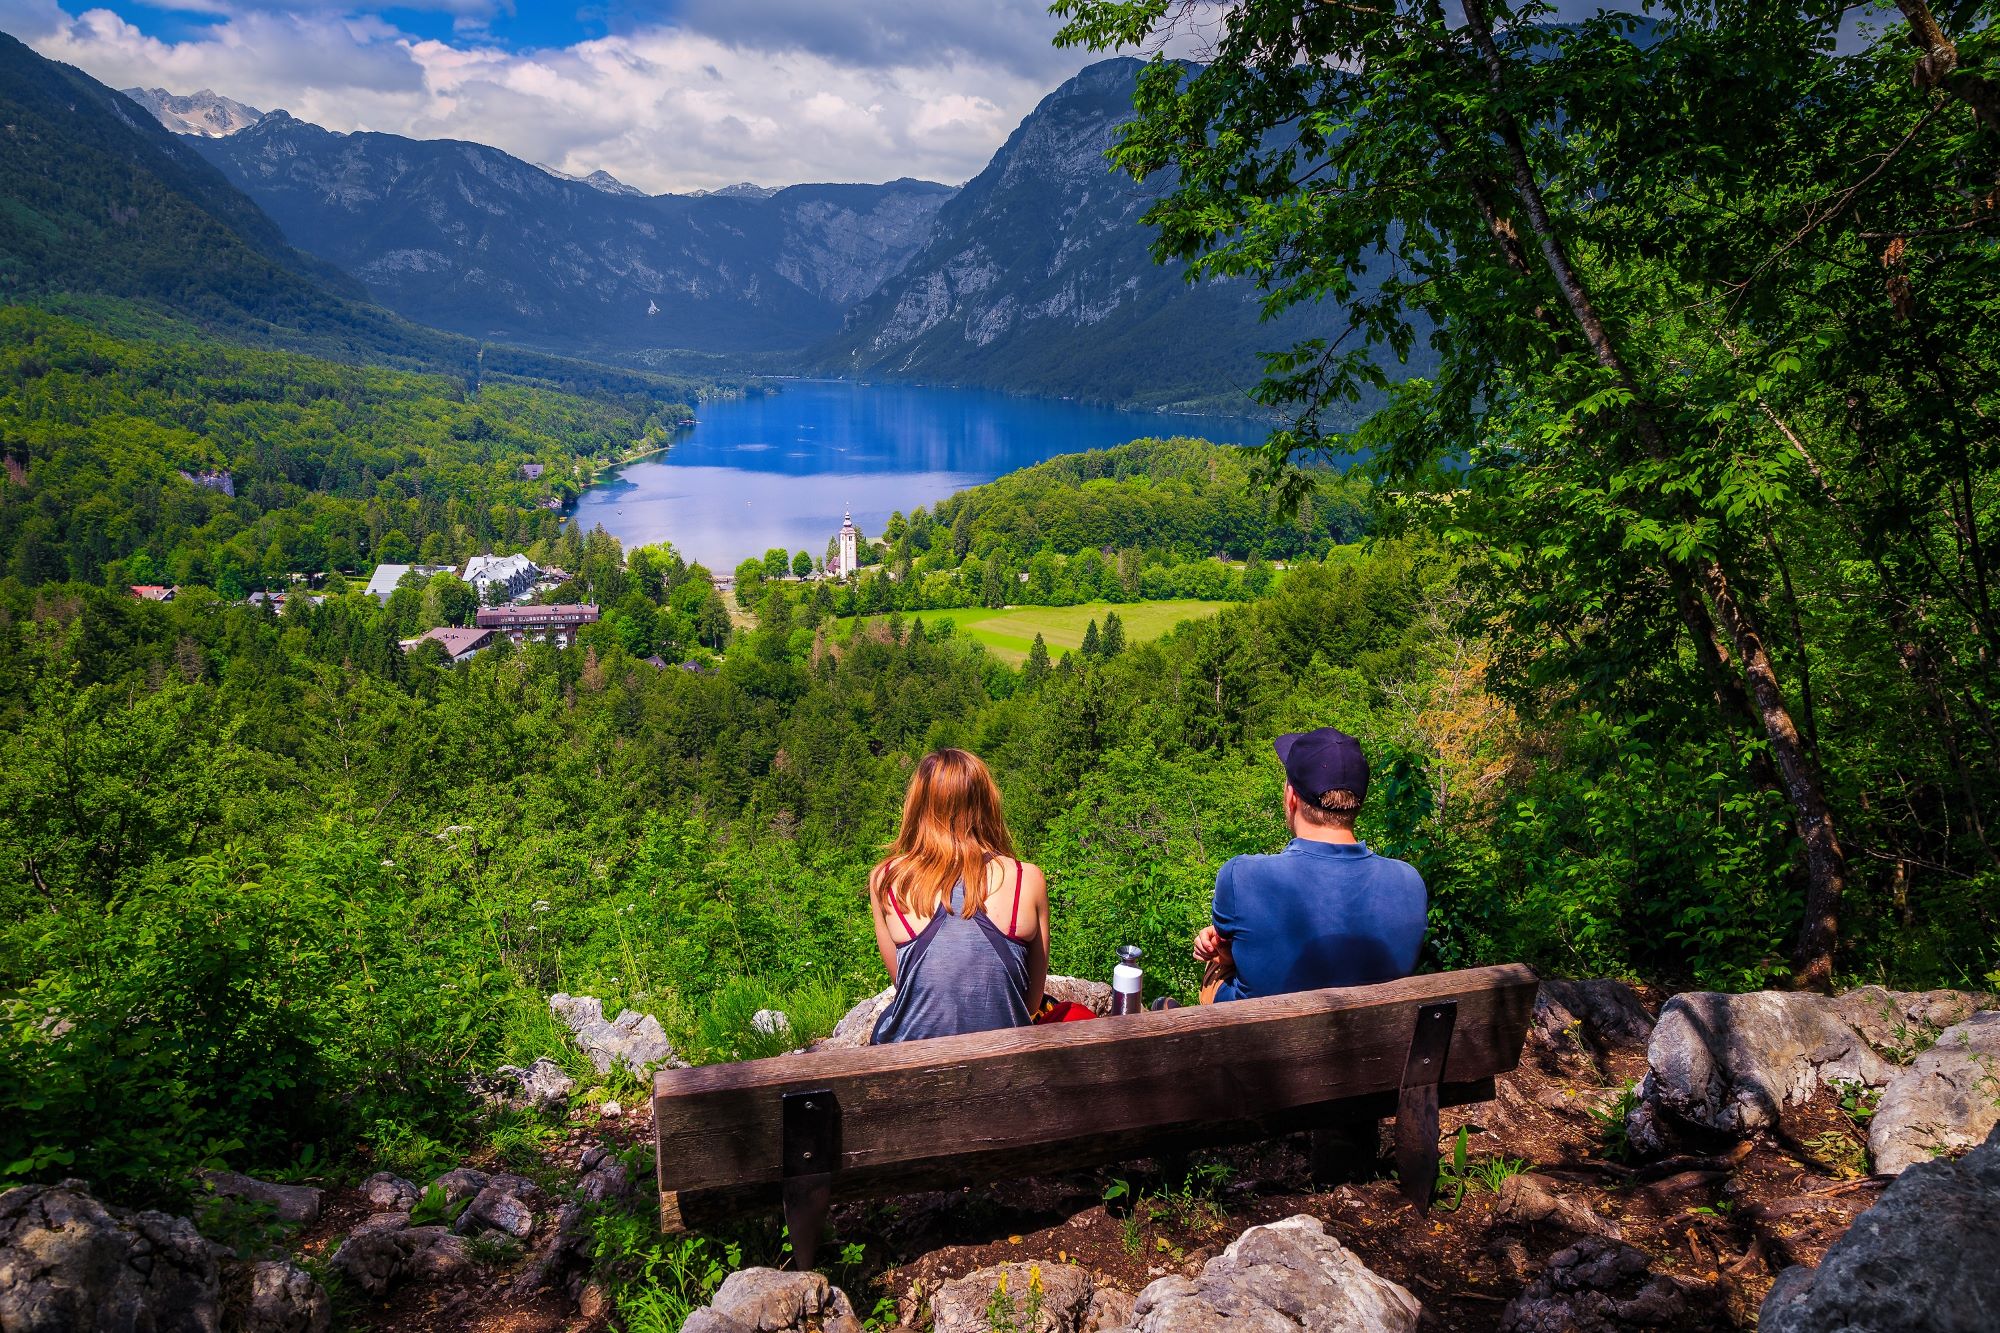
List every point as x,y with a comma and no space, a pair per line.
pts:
333,467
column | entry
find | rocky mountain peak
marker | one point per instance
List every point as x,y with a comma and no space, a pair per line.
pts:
206,113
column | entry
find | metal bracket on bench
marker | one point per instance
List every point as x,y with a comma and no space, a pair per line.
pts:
1417,1103
809,1151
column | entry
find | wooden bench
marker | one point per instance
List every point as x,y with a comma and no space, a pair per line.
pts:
806,1130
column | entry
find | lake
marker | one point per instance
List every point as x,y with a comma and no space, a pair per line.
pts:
781,469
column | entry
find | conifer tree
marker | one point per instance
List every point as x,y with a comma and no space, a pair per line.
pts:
1092,645
1037,669
1113,642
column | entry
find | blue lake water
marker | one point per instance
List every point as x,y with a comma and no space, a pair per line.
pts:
780,470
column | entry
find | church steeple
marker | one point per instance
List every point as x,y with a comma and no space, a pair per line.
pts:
850,541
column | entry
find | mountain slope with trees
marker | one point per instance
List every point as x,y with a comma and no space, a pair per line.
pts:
466,237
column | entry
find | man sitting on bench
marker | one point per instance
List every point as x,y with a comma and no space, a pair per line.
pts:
1326,911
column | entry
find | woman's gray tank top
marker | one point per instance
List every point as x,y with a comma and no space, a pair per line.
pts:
958,975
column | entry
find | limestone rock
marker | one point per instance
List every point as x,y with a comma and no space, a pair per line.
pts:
542,1086
608,1178
68,1262
1611,1012
381,1222
461,1182
390,1193
1288,1277
377,1260
855,1026
295,1204
495,1209
284,1298
764,1300
1896,1020
632,1039
962,1304
1730,1064
1109,1309
1924,1259
1947,1100
1601,1285
1527,1201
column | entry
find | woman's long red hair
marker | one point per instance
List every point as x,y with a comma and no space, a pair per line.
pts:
951,826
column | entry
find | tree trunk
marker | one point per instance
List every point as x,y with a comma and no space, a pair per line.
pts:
1826,865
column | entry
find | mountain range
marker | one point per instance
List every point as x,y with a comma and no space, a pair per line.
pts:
1035,276
104,212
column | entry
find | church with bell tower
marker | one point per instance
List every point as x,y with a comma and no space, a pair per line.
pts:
850,554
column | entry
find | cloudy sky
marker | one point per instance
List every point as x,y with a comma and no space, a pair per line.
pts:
664,94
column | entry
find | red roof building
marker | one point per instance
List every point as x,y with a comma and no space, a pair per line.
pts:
537,622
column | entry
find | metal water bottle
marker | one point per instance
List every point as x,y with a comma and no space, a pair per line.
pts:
1128,983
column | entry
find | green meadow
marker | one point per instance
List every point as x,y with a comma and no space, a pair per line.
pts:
1009,633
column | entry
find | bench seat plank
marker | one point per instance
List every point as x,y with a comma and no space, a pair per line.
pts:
963,1108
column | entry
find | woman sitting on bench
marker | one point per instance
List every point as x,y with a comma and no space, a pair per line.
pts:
963,925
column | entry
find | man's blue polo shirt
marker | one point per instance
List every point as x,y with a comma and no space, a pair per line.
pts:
1318,914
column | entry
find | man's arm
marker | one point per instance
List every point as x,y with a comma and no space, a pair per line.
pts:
1211,942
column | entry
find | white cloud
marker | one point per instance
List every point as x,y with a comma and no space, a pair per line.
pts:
775,91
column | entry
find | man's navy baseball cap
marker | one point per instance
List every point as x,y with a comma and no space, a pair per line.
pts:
1317,762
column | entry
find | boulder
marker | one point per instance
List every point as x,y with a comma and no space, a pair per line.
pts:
1601,1285
764,1300
1611,1012
377,1260
68,1262
1924,1259
632,1039
1052,1298
1527,1201
1109,1309
1732,1064
1896,1022
495,1209
294,1204
607,1178
390,1193
1948,1099
1287,1277
542,1086
283,1298
858,1023
461,1182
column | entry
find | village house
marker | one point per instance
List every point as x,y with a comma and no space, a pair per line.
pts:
514,575
153,592
554,623
385,578
459,643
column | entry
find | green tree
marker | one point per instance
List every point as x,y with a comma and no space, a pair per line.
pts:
1037,668
802,565
1617,364
1113,642
1092,644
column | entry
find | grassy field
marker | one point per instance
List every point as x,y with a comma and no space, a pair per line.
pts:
1008,634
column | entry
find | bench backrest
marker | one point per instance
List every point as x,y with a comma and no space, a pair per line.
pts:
990,1104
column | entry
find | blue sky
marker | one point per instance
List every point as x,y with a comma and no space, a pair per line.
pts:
668,95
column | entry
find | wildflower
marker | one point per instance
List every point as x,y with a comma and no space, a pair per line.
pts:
1034,1279
539,905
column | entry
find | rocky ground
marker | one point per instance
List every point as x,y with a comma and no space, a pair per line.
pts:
1635,1172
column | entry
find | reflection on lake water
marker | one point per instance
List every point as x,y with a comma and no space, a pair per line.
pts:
780,470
